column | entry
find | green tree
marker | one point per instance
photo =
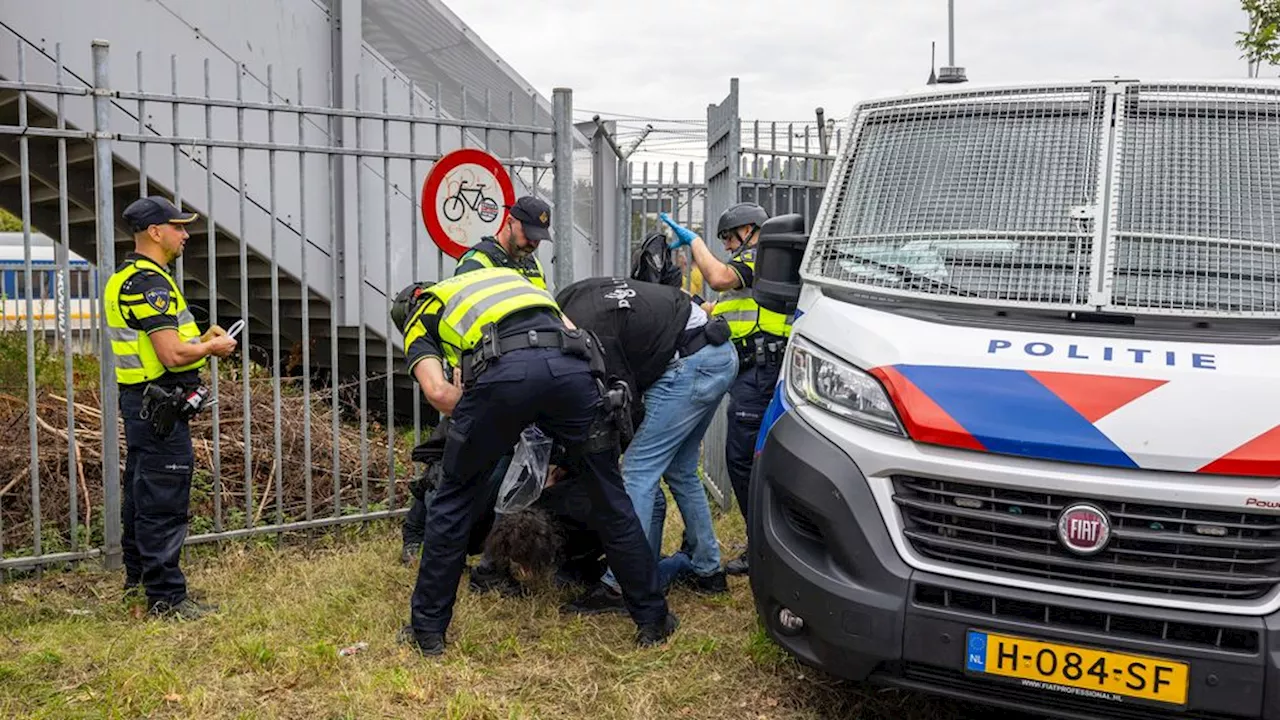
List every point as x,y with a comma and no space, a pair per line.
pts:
1261,42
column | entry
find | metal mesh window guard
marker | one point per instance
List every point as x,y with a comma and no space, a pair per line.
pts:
994,196
968,196
1196,215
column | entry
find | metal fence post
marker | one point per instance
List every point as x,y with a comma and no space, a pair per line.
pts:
622,242
111,552
724,152
562,188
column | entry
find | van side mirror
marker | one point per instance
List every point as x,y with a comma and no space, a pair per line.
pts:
779,251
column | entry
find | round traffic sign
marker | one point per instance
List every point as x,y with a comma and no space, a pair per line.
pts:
464,198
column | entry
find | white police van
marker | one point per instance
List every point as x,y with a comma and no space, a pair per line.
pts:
1026,445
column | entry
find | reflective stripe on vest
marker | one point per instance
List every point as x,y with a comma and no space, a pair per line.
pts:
743,313
474,300
534,274
135,357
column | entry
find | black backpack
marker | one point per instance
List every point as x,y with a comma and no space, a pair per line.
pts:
654,262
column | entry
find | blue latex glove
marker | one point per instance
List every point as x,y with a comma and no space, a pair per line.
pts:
684,236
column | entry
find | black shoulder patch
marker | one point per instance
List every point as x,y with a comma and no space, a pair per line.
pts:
144,280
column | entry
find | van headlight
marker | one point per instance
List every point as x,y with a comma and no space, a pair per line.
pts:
819,378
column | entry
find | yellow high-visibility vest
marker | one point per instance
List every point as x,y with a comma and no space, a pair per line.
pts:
744,314
136,359
472,301
534,274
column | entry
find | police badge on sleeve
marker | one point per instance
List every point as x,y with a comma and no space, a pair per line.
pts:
157,298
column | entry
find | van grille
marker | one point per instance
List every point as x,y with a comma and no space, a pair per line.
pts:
1166,549
1063,617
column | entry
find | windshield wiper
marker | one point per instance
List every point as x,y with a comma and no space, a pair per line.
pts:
906,274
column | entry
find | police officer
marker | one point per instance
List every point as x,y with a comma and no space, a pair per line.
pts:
518,362
158,353
515,246
759,334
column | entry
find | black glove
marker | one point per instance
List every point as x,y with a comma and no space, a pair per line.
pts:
427,482
717,330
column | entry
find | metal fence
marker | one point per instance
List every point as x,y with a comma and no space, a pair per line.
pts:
310,223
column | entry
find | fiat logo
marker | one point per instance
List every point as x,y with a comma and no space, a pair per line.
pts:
1084,529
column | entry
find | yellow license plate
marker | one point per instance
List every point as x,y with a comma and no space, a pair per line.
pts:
1078,671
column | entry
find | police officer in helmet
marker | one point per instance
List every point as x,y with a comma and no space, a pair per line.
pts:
759,334
430,453
158,352
518,362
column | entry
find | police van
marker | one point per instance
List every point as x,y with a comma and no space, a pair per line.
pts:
1026,445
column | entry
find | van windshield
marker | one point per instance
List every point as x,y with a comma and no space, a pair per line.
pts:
996,196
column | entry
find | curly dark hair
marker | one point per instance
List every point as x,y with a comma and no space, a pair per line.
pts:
527,539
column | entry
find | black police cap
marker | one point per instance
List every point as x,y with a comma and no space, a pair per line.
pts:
155,210
535,215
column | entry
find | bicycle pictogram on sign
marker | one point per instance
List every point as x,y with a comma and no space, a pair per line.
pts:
464,198
455,206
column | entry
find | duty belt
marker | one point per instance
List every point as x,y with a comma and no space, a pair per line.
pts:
760,349
492,346
612,427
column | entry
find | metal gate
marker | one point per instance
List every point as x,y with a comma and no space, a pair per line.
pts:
783,168
310,223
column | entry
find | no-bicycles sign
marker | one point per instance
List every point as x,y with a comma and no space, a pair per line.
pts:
464,198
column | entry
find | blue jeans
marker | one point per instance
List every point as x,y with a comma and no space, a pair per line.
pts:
671,568
678,409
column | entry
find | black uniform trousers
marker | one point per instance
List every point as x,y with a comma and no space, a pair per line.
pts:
749,397
157,498
556,391
415,521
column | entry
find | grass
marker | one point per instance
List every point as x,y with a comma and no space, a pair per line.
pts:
71,648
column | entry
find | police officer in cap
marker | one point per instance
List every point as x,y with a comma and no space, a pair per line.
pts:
515,246
158,353
759,334
518,362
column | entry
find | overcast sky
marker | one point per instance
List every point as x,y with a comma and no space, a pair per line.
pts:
670,58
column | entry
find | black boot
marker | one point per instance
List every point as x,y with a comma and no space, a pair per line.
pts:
410,553
715,584
599,599
187,609
656,633
739,565
427,643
